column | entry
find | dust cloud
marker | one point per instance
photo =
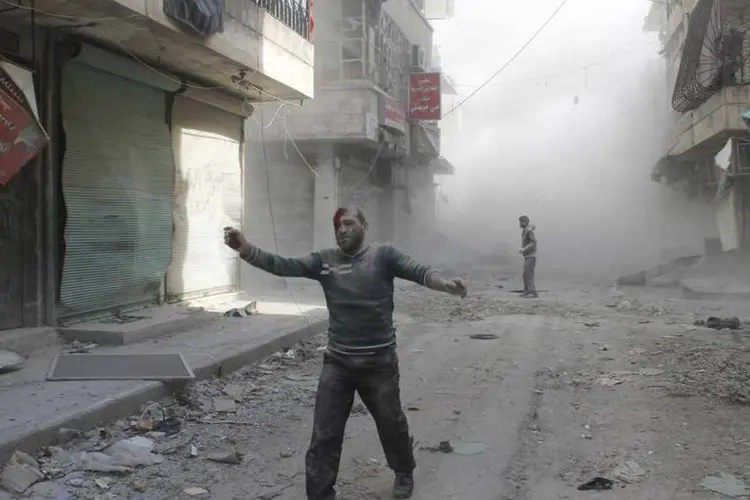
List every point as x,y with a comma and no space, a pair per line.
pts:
568,135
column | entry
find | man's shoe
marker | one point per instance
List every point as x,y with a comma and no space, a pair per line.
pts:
531,296
403,486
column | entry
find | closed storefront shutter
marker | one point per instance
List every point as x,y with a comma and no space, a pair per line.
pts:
207,198
117,180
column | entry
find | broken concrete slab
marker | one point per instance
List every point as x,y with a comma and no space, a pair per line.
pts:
20,473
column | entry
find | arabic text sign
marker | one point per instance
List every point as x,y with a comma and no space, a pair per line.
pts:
21,136
424,96
393,115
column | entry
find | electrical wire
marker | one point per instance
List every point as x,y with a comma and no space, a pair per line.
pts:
273,223
511,60
372,166
603,61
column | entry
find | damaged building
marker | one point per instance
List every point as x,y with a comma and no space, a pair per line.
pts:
706,47
370,137
133,114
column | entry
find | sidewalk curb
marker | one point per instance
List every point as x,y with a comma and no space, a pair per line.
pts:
120,405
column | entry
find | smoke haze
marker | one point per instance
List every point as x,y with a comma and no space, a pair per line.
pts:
569,145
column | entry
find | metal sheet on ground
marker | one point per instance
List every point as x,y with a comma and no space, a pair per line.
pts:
162,367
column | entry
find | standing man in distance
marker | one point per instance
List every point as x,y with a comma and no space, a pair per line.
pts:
357,280
528,250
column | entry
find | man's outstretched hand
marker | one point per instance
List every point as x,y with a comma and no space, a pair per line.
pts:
234,239
456,286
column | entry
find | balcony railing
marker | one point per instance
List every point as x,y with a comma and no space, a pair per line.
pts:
295,14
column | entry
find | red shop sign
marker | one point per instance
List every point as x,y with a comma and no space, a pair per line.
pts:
424,96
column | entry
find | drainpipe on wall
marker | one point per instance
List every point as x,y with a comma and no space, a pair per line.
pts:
51,158
56,52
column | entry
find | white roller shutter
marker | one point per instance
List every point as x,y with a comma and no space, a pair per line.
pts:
207,197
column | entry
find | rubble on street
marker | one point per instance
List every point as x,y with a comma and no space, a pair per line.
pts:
609,391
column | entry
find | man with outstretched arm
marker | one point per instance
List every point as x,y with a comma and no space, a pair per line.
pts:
357,280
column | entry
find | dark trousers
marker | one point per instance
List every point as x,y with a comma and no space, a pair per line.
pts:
529,269
376,379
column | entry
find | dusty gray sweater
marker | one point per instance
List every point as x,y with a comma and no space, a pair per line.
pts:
358,290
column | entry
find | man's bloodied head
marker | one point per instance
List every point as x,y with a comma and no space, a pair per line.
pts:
523,221
350,226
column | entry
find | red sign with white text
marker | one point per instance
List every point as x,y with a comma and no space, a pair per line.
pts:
424,96
393,115
21,136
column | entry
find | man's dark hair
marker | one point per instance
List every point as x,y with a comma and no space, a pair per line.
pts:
340,212
524,218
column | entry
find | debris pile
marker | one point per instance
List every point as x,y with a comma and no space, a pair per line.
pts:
719,369
177,447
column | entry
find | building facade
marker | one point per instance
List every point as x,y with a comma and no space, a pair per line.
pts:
358,142
706,47
143,111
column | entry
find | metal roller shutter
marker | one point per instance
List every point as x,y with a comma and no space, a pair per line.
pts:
207,197
117,181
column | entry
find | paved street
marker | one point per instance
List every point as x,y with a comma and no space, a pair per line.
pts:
584,382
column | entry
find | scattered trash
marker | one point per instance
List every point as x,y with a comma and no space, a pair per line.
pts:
250,309
46,490
644,321
286,354
725,484
483,336
231,456
597,484
591,324
464,449
629,472
103,482
443,447
65,436
650,372
154,419
10,361
20,473
195,491
193,451
609,382
122,456
624,306
236,391
78,347
723,323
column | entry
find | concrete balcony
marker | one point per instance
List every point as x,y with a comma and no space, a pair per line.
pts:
706,129
258,56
